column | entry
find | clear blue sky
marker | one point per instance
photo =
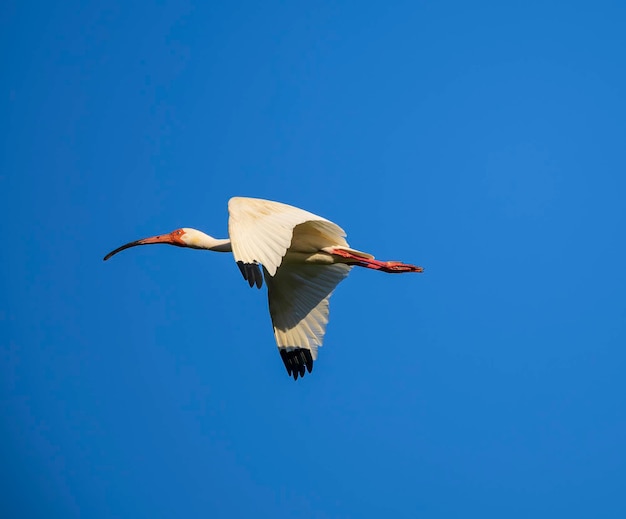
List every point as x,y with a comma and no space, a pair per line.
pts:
482,140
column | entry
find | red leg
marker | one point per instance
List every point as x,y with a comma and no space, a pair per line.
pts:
392,267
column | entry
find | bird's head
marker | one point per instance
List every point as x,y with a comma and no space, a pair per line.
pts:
183,237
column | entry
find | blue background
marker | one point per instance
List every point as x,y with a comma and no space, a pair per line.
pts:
482,140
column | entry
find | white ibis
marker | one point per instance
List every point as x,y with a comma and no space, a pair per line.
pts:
303,256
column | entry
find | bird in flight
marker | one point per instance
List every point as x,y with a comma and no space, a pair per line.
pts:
303,257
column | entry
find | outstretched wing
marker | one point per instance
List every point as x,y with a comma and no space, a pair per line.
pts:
298,299
261,231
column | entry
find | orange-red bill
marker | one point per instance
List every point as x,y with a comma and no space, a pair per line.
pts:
169,239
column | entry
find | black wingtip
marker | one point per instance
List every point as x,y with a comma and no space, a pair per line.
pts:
297,361
251,272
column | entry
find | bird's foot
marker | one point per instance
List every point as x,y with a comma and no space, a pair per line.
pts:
398,267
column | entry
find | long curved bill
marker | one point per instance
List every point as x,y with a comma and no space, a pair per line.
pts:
168,239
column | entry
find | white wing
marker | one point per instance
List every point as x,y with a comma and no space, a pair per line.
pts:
298,299
261,231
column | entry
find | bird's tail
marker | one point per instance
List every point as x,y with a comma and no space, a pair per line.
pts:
362,259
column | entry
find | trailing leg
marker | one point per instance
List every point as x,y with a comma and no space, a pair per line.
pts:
358,260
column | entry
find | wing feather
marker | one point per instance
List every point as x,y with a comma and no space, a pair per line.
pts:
261,231
299,303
